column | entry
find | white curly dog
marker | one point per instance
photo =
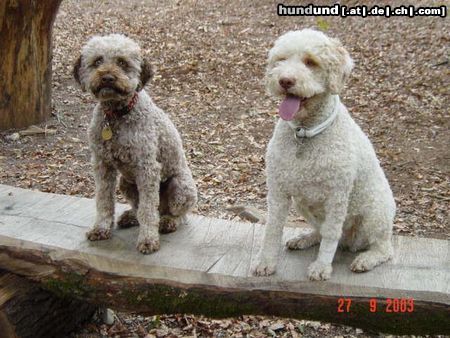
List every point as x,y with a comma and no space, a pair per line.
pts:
131,135
320,160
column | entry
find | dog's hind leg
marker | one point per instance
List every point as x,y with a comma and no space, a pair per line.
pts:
178,195
129,218
304,241
380,251
309,239
182,194
167,222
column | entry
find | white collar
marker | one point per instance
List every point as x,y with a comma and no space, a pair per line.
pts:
303,132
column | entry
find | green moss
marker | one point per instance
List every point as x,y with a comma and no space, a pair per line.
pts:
70,285
165,299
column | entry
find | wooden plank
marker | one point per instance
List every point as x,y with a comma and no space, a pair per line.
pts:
205,267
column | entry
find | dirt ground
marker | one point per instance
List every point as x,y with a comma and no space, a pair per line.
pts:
209,60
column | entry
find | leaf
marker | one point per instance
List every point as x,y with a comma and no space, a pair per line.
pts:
322,24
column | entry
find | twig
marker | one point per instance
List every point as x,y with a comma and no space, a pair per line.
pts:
58,117
444,198
441,63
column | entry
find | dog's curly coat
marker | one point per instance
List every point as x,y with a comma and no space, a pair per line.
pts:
145,146
334,178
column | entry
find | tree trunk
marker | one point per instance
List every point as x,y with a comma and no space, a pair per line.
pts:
25,55
26,310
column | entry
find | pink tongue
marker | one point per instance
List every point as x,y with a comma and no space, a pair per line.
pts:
289,106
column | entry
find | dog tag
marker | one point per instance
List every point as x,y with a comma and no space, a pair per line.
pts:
106,133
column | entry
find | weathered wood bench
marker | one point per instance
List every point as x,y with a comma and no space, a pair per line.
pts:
204,268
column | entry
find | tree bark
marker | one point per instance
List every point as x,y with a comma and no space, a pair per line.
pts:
25,67
26,310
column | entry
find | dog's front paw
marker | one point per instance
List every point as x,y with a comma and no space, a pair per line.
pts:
265,267
319,271
98,234
127,219
148,245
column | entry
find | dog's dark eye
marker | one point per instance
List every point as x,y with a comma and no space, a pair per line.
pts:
98,62
280,59
309,62
122,63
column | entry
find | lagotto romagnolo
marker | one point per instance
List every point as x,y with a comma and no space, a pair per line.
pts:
320,161
130,135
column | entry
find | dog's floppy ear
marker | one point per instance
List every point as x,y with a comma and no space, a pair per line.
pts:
146,74
76,72
340,66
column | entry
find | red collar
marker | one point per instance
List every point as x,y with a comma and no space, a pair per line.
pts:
110,114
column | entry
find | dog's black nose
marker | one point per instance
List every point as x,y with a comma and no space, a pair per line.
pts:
108,78
286,83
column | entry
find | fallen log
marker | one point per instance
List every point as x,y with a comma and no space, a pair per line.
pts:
28,311
205,268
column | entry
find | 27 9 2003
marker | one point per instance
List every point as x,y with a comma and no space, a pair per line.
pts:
389,305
